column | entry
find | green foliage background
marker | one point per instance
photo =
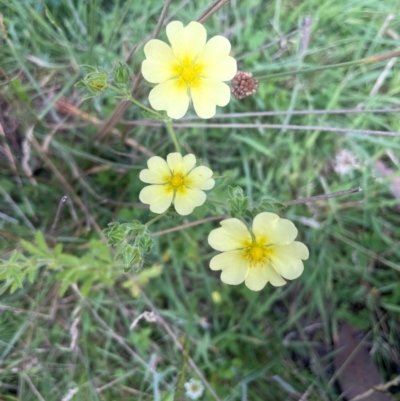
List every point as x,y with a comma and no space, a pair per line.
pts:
243,343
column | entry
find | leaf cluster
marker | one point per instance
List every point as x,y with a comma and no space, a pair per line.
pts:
132,242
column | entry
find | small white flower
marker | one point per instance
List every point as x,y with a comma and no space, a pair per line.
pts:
194,389
345,162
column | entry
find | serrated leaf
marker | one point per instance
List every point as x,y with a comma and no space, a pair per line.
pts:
86,286
42,242
17,276
88,97
15,256
67,260
32,249
89,67
57,251
100,251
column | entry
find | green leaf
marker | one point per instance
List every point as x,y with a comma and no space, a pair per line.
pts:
68,260
42,242
255,145
57,251
18,276
33,249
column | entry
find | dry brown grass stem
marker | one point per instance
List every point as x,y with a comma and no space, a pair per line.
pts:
124,105
336,130
65,107
190,224
298,113
67,187
376,389
178,344
211,10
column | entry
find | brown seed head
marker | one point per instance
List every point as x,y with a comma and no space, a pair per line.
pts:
243,85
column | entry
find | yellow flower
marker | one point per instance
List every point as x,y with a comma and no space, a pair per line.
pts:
265,255
175,180
190,68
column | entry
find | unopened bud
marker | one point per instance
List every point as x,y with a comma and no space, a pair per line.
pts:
95,81
121,74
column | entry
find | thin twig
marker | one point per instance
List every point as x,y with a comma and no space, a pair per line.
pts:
32,387
178,343
124,105
17,209
57,218
115,381
107,328
288,203
29,312
279,126
378,388
211,10
67,186
190,224
266,46
321,197
297,113
366,251
130,54
363,61
161,19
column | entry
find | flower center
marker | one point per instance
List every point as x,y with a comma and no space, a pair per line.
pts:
256,254
176,181
188,72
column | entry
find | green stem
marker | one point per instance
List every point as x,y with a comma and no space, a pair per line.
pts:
331,66
133,100
216,202
173,135
160,216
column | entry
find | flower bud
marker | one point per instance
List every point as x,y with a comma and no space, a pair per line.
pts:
95,80
121,74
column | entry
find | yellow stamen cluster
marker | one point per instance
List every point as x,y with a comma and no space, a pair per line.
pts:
177,181
256,254
188,73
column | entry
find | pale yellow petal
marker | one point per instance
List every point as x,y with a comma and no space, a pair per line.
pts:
221,70
187,199
151,177
231,236
179,164
233,265
157,196
215,59
188,162
159,61
259,276
186,42
158,172
286,259
273,229
170,97
174,161
200,178
209,94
